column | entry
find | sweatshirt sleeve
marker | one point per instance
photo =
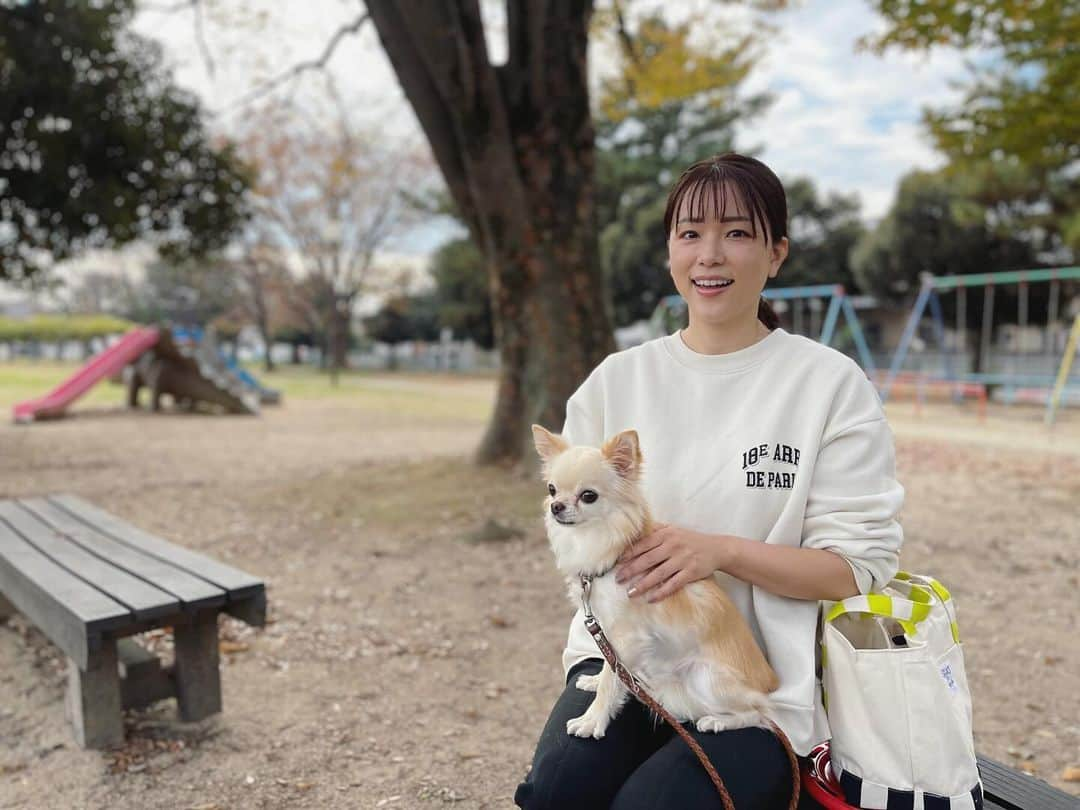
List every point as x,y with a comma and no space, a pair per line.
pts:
854,497
584,414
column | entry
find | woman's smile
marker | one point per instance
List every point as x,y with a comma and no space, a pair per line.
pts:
711,286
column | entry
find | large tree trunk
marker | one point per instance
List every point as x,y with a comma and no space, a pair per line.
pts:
515,146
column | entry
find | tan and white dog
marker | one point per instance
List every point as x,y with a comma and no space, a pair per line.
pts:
693,652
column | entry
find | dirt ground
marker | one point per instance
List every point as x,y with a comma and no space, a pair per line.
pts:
411,659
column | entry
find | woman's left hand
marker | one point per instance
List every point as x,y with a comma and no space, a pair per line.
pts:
670,558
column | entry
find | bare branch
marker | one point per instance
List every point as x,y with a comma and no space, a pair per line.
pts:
200,36
300,67
625,38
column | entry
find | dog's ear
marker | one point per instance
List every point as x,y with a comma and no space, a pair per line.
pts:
623,452
548,444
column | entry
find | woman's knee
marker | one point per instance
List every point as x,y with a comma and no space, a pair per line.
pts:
751,762
567,778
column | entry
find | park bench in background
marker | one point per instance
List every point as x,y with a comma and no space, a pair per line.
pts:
88,579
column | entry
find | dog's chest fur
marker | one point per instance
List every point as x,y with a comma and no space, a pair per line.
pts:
660,653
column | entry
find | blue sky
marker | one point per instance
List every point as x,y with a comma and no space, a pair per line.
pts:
847,119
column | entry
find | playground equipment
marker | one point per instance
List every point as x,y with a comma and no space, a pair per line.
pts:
1063,372
928,297
839,302
670,314
106,364
183,373
159,364
211,353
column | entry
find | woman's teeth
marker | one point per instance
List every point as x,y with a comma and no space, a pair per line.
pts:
718,282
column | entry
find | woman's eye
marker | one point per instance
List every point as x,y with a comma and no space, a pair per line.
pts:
589,496
688,234
738,232
551,490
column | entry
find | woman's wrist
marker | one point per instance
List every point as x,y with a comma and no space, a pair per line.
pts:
725,548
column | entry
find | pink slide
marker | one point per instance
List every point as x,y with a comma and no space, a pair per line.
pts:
107,363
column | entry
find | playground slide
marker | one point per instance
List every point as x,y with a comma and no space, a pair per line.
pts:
105,364
209,351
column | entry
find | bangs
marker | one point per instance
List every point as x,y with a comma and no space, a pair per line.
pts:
705,190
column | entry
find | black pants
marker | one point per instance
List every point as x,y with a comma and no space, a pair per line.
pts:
642,764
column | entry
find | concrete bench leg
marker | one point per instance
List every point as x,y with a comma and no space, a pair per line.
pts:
198,680
6,609
93,699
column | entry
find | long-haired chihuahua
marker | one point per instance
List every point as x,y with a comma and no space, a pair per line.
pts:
693,652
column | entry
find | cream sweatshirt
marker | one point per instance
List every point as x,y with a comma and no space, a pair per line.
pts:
781,442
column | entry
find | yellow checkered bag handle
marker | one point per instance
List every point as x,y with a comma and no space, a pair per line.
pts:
908,613
929,585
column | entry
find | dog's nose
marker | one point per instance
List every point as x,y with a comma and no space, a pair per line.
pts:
557,508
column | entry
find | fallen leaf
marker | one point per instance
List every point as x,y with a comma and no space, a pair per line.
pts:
1071,774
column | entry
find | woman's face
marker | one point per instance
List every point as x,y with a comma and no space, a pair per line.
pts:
718,265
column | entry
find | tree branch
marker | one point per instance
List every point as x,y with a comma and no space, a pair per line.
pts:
301,67
200,36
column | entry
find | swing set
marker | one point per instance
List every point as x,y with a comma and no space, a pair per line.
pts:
670,314
1045,388
1030,387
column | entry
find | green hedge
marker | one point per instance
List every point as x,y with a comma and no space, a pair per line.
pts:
55,328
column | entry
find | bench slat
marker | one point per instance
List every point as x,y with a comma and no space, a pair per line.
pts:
194,593
236,583
34,584
1016,791
144,600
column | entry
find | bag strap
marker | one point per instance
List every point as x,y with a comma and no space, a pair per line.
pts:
908,613
935,589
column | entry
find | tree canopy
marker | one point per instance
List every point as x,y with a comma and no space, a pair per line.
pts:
97,146
671,101
927,231
1017,130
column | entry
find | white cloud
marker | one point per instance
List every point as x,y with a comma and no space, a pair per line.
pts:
847,119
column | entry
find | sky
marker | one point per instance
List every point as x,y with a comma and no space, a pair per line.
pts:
847,119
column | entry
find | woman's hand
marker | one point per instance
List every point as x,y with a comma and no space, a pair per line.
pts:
670,558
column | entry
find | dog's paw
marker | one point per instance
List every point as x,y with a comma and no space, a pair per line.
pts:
712,723
588,683
590,724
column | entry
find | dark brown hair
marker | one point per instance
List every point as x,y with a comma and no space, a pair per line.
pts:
749,180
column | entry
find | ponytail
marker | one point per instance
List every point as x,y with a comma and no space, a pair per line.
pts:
767,315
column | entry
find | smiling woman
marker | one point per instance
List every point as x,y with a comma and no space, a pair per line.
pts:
726,222
769,466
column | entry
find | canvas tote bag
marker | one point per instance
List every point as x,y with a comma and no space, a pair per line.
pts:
897,699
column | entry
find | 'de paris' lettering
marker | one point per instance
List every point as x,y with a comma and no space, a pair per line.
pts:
770,479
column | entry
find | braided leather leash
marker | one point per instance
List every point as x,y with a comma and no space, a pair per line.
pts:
635,688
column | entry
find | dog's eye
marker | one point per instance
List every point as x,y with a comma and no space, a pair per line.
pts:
589,496
551,490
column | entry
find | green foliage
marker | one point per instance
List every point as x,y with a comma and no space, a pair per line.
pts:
822,231
191,292
405,318
672,103
55,328
929,229
97,145
461,292
1021,112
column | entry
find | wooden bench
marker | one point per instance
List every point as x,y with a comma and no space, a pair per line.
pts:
1006,789
88,579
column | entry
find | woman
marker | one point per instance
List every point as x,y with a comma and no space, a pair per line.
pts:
770,464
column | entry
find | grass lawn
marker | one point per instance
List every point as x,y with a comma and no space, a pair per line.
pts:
407,394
